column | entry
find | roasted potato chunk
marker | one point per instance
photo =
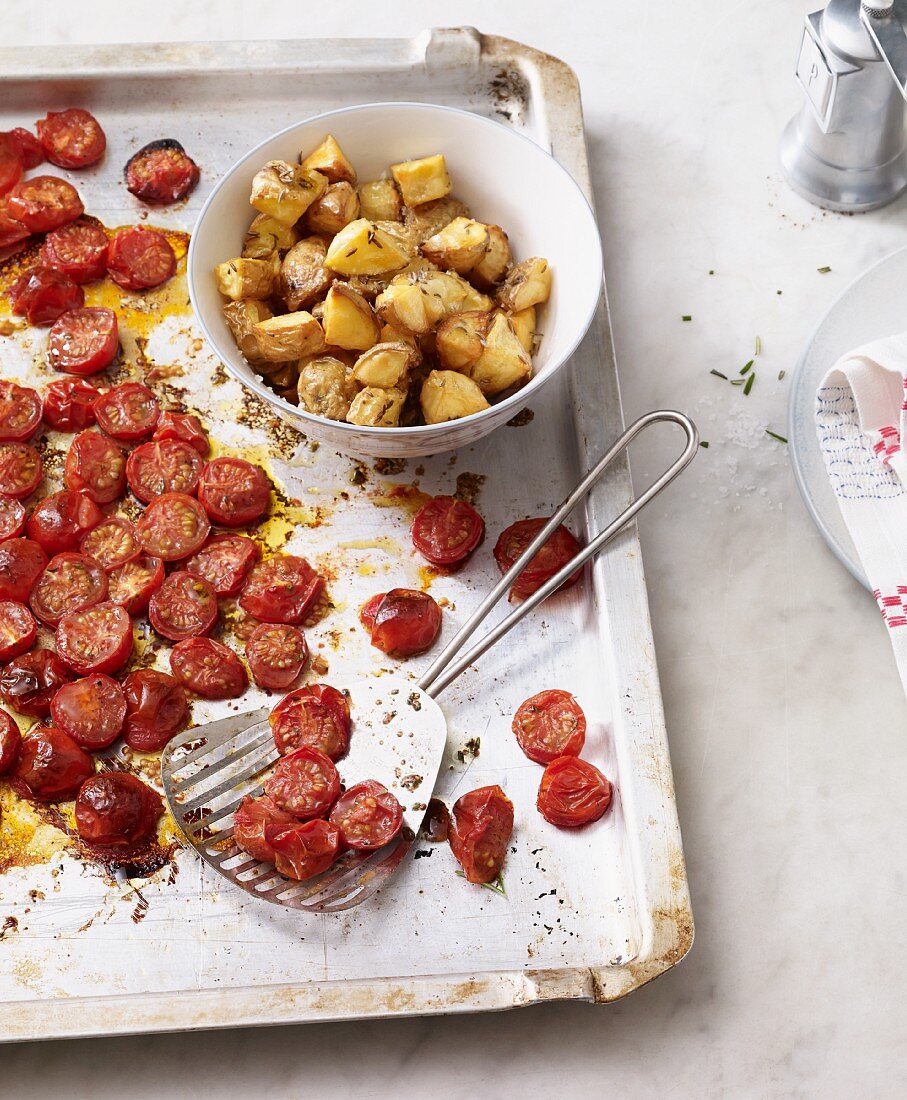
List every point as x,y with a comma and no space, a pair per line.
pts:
472,298
527,284
348,320
492,267
447,395
337,207
267,235
385,366
523,324
390,334
241,278
422,180
330,161
503,362
430,218
377,408
362,249
459,246
303,277
379,200
242,318
289,336
326,387
419,300
460,339
285,191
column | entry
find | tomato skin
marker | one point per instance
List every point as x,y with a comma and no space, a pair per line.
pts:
173,527
91,710
127,412
112,543
224,562
69,404
140,258
303,851
18,630
155,468
97,465
72,138
84,341
305,783
552,557
10,742
98,639
43,203
480,832
31,151
116,810
132,584
77,249
12,232
156,709
367,815
234,492
573,793
276,654
51,766
184,606
182,428
21,470
29,682
21,563
317,716
550,724
445,531
12,518
70,582
20,412
42,295
10,163
60,521
161,172
208,668
281,589
250,821
405,622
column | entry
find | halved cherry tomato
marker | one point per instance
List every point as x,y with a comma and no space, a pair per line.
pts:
208,668
12,231
128,411
184,606
21,563
42,295
156,709
224,561
72,138
20,412
98,639
90,710
112,543
572,793
10,742
550,724
18,630
69,404
281,589
305,783
12,518
173,527
31,151
140,258
303,851
132,584
403,623
115,810
234,492
29,682
480,831
250,821
78,249
84,341
315,717
367,815
51,766
156,468
446,530
369,610
96,464
552,557
71,582
161,172
43,203
182,428
276,653
59,521
10,163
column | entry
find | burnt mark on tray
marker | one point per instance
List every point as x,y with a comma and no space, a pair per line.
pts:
509,92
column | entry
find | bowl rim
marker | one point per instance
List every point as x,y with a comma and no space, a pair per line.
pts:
418,430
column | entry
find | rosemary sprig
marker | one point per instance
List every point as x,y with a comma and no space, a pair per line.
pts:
775,435
823,270
749,384
747,367
497,886
718,374
781,374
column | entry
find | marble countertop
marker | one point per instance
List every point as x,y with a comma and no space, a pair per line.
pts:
785,713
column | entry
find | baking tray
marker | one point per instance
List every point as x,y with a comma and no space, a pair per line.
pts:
590,915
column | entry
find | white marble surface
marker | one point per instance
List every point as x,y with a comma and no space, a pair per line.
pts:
786,717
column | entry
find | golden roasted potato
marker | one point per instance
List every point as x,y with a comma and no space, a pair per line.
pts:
418,300
245,278
303,278
460,339
267,235
326,387
377,408
348,320
430,218
285,191
379,200
523,323
492,267
403,236
330,161
362,249
337,207
285,376
390,334
385,365
289,336
527,284
503,362
472,298
459,246
422,180
447,395
242,317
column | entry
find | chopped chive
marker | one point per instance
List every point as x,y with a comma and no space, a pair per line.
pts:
704,443
718,374
687,317
781,374
775,435
823,270
497,886
746,367
758,350
749,385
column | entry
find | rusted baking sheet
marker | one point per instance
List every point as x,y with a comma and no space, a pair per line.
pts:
591,915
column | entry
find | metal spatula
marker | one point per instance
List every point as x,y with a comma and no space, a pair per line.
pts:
399,732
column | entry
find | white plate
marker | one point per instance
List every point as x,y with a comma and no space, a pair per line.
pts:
870,308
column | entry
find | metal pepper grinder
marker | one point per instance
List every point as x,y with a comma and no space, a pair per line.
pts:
846,149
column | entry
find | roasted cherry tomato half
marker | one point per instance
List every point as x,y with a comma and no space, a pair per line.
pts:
184,606
573,792
281,589
112,543
21,563
161,172
20,470
156,709
234,492
43,203
132,584
303,851
367,815
403,622
251,819
173,527
553,556
208,668
97,465
224,562
78,249
446,530
18,630
90,710
84,341
31,151
12,518
305,783
115,810
315,717
60,521
550,724
166,467
276,654
51,766
69,404
28,683
10,163
98,639
480,832
42,295
10,742
20,412
71,582
140,258
128,411
72,138
182,428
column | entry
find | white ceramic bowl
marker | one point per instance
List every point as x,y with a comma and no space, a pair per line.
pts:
504,178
